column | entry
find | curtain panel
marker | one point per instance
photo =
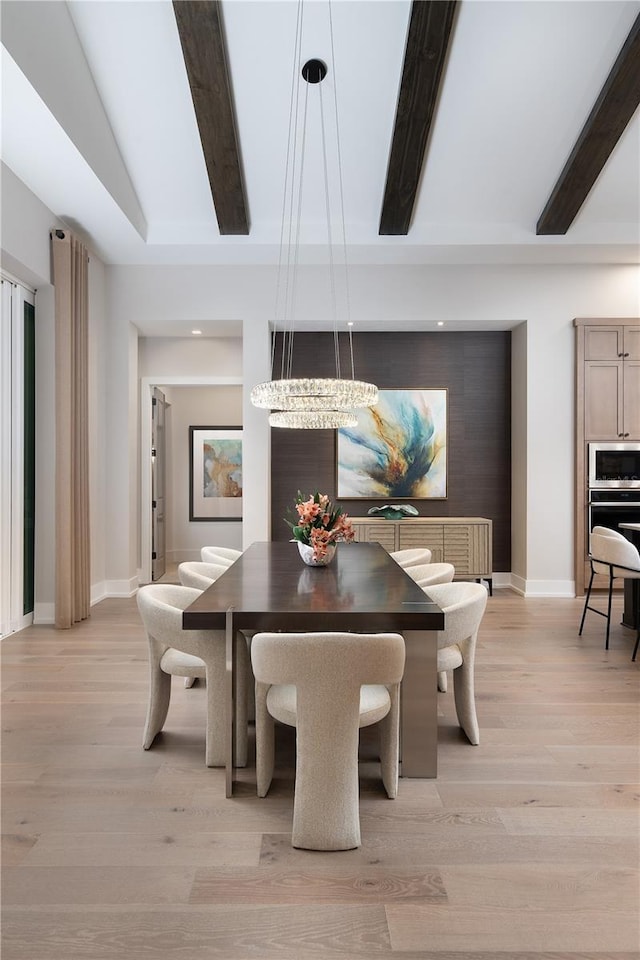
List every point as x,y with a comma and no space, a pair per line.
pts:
70,278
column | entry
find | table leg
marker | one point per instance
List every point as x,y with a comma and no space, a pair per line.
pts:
229,703
419,705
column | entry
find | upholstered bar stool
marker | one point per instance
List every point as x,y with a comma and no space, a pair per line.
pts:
616,558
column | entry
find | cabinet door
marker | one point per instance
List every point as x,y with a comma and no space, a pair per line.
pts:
384,533
466,546
603,343
603,400
631,389
430,535
631,343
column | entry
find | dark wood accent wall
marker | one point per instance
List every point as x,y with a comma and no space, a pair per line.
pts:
476,370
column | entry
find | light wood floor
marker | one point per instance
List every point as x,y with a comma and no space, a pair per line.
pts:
524,847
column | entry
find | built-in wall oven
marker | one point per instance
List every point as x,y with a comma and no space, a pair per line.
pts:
614,484
610,508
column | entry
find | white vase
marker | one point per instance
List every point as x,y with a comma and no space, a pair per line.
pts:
306,552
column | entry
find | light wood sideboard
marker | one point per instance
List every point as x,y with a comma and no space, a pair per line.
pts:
466,542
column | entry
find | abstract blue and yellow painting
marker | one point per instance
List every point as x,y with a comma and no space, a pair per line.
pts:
215,473
222,468
398,448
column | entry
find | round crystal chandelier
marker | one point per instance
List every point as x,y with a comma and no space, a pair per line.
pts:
309,403
313,419
314,394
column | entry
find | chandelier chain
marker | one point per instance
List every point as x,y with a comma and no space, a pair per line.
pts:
310,403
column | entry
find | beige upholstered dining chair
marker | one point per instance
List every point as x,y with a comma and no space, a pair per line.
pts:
220,555
463,605
412,556
199,575
178,652
426,574
193,573
615,557
327,685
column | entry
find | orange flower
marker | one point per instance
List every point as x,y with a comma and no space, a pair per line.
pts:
320,523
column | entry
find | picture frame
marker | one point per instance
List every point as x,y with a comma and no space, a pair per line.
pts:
398,449
215,473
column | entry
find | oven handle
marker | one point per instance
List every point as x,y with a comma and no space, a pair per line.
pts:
614,503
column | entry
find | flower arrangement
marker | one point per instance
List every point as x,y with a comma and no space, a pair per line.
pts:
320,524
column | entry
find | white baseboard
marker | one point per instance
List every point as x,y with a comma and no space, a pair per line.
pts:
551,588
562,589
518,584
44,613
121,588
98,592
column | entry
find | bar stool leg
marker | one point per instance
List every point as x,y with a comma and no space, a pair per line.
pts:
636,587
586,602
606,644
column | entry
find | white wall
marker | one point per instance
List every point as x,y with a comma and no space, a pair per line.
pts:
121,467
197,356
195,407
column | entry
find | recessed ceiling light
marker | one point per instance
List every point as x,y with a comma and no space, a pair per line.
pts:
197,333
441,323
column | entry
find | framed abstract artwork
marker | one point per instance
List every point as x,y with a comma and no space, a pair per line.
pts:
398,449
215,473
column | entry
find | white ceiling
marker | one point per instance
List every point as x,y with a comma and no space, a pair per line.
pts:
521,80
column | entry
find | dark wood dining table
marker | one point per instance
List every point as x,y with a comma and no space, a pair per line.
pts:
363,590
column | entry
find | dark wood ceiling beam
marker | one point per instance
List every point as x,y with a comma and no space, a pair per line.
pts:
430,30
203,48
612,111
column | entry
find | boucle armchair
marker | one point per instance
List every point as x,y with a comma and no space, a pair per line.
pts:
327,685
463,605
427,573
193,573
412,556
199,575
224,555
174,651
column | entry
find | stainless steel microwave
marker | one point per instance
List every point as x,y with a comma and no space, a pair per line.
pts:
614,465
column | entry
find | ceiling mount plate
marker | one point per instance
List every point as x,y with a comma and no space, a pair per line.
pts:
314,71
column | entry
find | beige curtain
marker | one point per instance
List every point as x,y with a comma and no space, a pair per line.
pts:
70,278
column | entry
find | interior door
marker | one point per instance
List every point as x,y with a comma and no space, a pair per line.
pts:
158,517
